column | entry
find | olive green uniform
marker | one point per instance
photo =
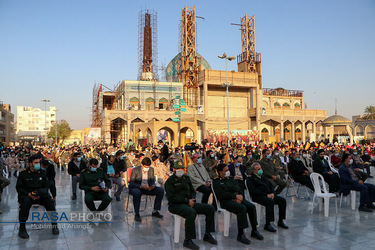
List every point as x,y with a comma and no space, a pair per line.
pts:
209,163
248,162
269,170
226,190
89,179
179,192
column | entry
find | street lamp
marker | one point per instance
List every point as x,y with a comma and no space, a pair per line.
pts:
45,119
227,85
56,125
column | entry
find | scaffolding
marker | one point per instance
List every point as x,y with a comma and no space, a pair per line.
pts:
147,45
189,66
248,55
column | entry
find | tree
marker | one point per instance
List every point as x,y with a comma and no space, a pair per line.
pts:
63,130
369,113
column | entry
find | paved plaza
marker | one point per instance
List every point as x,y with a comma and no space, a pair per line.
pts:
349,229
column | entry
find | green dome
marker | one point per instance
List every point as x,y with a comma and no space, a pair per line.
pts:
171,72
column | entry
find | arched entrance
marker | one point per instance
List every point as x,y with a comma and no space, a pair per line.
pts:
166,135
264,134
187,135
118,131
358,131
370,132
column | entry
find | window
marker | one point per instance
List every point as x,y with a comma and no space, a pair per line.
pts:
163,103
286,105
297,105
150,103
276,105
134,103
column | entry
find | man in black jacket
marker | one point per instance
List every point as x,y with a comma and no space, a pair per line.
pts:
75,167
114,173
320,165
298,171
164,151
261,191
51,174
142,181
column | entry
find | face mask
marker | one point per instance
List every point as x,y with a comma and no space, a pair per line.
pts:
250,156
268,156
304,155
260,172
131,153
227,174
199,161
177,153
297,159
79,158
351,162
179,172
212,156
121,157
336,155
42,168
276,154
355,153
145,169
13,156
37,167
93,169
366,153
238,164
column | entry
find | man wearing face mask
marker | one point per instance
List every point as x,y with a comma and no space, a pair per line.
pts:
349,181
32,188
181,201
164,151
114,173
278,163
336,159
210,164
321,166
305,159
271,172
262,192
200,179
12,162
232,199
75,167
237,171
249,160
142,181
49,169
367,162
95,182
299,172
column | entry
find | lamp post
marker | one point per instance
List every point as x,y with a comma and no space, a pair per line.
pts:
45,119
227,85
56,125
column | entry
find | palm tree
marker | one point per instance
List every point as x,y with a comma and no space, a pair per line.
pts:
369,113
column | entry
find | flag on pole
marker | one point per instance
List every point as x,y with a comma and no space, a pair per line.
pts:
187,161
307,146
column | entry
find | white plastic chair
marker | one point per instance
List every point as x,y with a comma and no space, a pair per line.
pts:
353,195
177,227
225,212
322,193
96,202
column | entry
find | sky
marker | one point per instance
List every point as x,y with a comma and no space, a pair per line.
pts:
57,50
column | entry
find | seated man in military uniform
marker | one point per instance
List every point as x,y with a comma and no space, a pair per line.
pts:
95,182
181,201
261,191
232,199
32,188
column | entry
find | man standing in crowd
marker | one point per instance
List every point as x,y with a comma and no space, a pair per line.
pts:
142,181
181,201
75,166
